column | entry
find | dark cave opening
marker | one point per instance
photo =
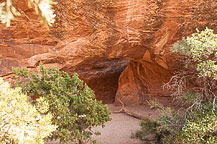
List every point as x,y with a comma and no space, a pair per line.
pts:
102,76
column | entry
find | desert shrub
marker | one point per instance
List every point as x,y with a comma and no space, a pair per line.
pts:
200,130
197,126
163,130
194,89
20,122
72,103
148,132
197,91
199,52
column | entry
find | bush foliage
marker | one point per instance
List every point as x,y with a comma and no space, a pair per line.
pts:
20,122
200,50
194,87
72,103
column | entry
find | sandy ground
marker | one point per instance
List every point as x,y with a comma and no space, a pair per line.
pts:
119,129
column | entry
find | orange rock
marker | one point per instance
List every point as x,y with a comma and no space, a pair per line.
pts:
87,31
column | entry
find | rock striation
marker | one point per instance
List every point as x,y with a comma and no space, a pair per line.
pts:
89,33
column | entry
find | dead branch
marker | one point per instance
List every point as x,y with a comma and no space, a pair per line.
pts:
127,112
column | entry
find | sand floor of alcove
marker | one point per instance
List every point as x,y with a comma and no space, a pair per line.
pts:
120,128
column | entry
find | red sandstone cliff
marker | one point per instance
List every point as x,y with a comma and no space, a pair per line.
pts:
89,31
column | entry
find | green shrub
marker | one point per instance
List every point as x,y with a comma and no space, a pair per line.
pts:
193,87
200,51
163,130
200,130
197,126
148,131
20,122
72,103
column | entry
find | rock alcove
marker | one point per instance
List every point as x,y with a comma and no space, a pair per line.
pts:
95,37
102,76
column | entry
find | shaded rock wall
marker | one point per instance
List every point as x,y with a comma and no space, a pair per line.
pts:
91,30
102,76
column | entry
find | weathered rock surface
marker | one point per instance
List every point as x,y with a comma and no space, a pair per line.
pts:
90,30
141,80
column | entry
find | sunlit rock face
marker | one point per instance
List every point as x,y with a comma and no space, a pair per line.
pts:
87,31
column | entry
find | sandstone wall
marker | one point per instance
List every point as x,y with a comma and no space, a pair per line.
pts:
87,31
